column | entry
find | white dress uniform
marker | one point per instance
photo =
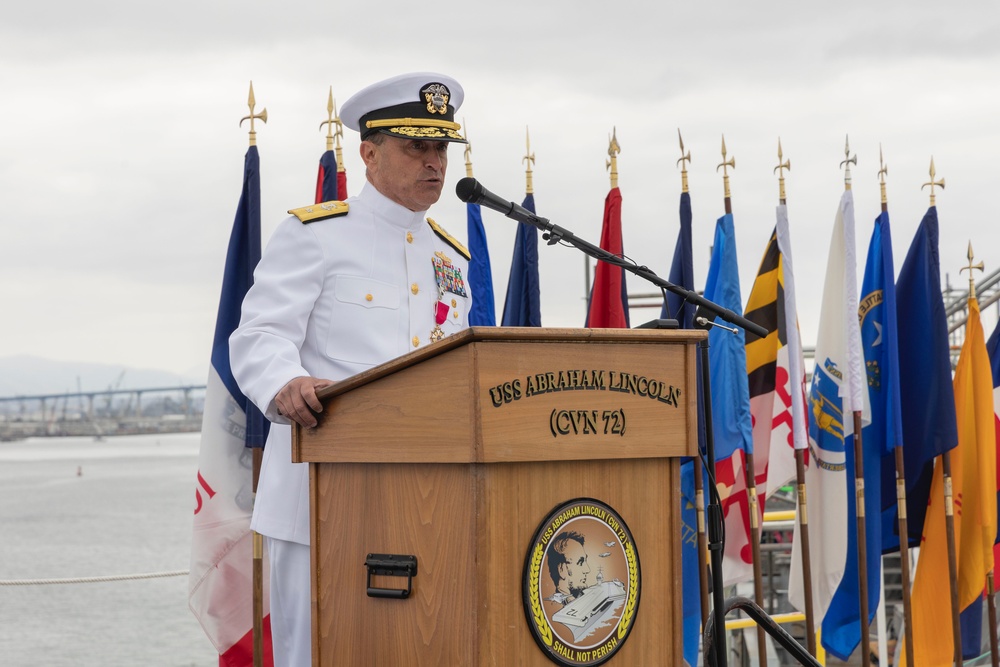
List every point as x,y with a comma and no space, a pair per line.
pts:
330,299
340,289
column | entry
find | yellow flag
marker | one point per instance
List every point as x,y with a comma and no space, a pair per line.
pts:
973,469
977,502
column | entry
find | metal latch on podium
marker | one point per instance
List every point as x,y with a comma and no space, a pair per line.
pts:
391,565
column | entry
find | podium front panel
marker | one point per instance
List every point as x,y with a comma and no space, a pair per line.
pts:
470,527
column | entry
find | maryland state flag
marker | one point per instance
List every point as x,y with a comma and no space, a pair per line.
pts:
608,306
775,366
522,306
220,585
974,483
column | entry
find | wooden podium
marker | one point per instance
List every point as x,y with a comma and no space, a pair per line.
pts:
456,453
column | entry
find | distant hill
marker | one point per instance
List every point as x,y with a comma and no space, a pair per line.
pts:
24,375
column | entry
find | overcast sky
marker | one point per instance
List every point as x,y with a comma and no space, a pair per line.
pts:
121,154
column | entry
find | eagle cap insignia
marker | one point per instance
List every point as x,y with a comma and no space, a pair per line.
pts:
436,95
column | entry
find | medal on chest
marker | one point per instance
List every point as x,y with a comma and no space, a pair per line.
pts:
449,279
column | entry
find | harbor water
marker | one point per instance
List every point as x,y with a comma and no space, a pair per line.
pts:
77,507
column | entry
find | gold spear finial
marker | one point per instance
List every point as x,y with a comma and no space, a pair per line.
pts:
883,171
847,162
932,183
782,166
528,159
725,172
969,268
334,130
262,115
468,150
612,163
684,159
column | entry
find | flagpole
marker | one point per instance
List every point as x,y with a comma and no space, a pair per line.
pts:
991,605
334,130
258,454
904,544
800,483
725,166
748,463
949,525
949,507
859,484
800,474
990,600
699,469
468,151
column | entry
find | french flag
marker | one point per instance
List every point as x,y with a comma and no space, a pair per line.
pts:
220,587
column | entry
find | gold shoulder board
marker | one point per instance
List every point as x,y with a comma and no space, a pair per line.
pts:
450,240
328,209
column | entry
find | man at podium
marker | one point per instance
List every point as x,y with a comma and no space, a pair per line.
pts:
340,288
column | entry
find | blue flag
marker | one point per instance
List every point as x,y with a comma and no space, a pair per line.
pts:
326,178
689,565
877,314
731,425
682,274
484,312
522,307
926,392
241,260
682,271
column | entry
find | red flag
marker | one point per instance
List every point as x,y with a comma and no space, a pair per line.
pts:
341,184
608,298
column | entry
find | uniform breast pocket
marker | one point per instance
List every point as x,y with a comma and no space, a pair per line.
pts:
458,314
364,322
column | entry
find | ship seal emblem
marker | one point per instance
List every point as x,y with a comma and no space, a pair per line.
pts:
581,583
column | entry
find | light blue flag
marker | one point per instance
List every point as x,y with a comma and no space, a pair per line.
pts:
689,565
483,313
727,357
877,314
730,394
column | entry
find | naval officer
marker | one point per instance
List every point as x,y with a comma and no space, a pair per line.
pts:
342,287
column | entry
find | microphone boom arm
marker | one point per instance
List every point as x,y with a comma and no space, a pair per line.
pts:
553,234
472,191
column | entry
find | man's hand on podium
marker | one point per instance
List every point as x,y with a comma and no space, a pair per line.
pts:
297,400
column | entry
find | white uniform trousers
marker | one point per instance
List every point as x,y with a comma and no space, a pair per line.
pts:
291,619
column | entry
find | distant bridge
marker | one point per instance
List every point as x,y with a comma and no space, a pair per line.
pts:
102,412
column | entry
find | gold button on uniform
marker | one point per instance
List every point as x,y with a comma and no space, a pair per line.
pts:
409,237
414,288
454,314
368,297
416,342
454,304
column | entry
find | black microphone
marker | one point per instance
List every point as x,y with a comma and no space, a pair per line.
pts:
472,191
